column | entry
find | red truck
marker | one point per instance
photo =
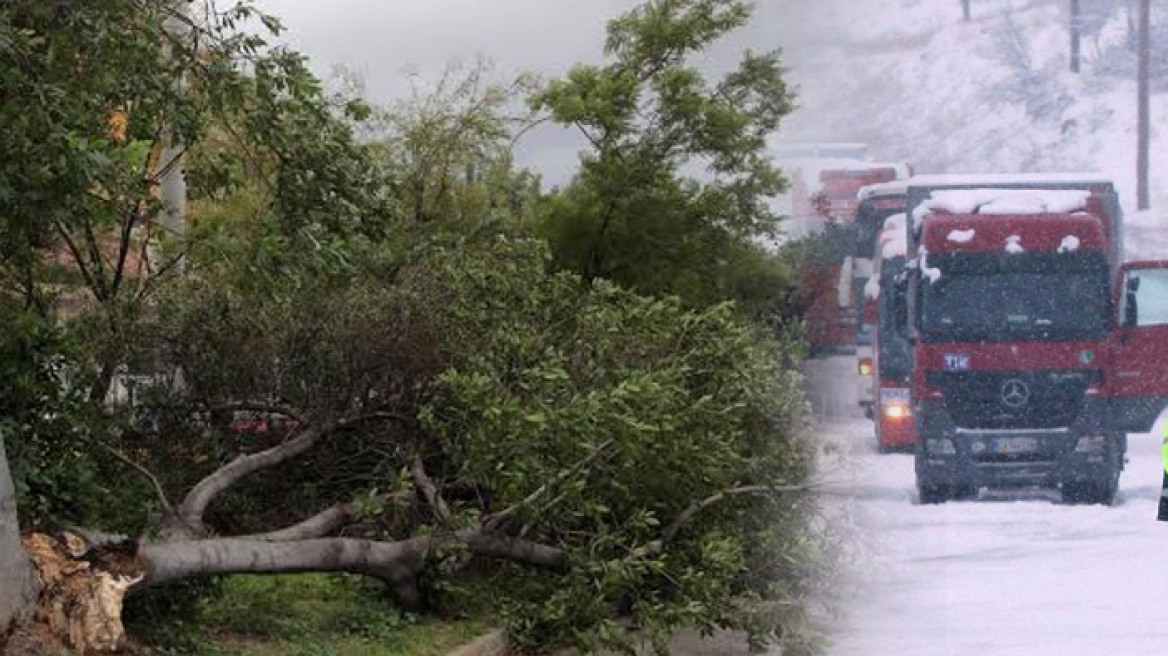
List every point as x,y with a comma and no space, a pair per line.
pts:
876,203
892,409
839,187
831,287
829,323
1034,350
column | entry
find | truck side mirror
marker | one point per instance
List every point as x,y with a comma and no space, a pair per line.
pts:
1131,314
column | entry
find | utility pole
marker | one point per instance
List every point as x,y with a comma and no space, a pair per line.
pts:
1143,128
173,182
965,10
1076,31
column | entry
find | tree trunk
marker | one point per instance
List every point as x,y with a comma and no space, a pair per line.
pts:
397,563
16,581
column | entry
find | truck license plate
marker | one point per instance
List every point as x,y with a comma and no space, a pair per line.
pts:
1016,445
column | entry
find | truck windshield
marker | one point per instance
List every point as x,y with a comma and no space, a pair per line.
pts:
970,303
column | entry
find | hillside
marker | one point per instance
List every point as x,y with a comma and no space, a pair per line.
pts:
917,83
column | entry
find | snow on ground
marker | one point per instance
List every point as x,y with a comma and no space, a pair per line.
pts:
918,84
1007,574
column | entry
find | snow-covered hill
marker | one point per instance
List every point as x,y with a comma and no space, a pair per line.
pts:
995,94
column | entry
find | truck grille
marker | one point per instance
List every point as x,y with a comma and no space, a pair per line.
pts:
1001,400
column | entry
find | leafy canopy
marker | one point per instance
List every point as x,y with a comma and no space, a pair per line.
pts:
600,415
672,188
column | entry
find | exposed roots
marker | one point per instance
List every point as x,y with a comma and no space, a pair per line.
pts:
81,589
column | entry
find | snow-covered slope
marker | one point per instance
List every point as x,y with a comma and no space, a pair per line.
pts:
917,83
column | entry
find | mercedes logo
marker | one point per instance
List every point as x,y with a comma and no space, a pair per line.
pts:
1015,393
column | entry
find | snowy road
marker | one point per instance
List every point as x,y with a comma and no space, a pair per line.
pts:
1004,575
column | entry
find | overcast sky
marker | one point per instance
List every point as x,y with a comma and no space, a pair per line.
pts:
385,40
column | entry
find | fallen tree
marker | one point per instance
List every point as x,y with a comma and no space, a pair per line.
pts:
611,454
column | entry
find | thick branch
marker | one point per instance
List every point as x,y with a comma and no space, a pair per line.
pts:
397,563
322,524
430,491
187,519
505,547
715,499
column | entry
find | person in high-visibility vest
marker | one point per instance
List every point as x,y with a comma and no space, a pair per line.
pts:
1162,515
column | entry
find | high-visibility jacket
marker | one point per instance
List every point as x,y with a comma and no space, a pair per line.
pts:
1162,515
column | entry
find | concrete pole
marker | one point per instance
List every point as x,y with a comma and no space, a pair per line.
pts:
173,183
1144,121
965,10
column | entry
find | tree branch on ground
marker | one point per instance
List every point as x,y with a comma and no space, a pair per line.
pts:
746,490
495,522
186,521
430,491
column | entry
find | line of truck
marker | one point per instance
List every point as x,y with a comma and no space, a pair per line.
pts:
1004,340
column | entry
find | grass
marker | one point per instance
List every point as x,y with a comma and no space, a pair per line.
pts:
306,615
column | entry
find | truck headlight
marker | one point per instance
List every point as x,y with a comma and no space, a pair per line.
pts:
897,411
865,367
1095,444
941,447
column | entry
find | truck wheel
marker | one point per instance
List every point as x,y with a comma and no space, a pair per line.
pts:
1077,492
1101,492
933,493
1108,488
961,492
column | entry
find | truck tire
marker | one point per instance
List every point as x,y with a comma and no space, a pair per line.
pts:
1094,492
963,492
1088,493
933,493
1098,491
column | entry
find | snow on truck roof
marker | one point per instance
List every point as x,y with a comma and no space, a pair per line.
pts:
968,180
1001,202
895,188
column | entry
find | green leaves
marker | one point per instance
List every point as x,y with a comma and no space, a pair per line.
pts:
693,402
663,32
672,193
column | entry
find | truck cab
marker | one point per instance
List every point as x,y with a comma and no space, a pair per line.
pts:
892,408
876,203
1018,360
